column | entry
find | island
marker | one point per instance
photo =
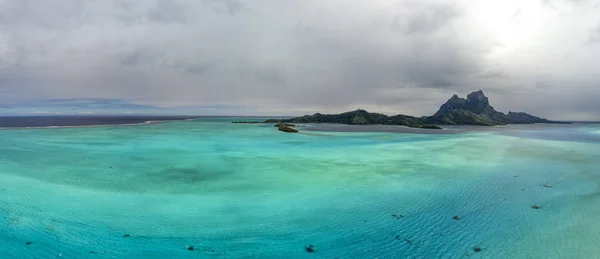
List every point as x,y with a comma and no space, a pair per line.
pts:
474,110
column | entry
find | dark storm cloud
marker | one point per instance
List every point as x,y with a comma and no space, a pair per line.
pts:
295,57
418,51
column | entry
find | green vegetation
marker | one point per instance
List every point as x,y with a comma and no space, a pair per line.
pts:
462,117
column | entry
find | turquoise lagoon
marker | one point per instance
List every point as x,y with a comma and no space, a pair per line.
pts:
249,191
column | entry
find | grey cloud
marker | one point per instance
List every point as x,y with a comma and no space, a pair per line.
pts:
553,101
492,74
271,74
167,11
429,19
298,56
135,58
595,35
545,81
434,58
558,5
232,6
200,68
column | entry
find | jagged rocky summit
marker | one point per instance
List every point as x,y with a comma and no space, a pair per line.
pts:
474,110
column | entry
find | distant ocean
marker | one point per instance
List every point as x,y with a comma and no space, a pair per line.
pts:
63,121
207,188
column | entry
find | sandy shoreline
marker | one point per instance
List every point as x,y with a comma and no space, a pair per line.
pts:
379,128
325,127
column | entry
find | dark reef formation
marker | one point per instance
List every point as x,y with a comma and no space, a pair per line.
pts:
286,127
474,110
309,248
397,216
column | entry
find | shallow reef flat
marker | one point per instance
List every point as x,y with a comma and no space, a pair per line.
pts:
209,188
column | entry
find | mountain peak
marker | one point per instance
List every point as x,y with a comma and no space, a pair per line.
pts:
453,103
476,103
477,96
476,109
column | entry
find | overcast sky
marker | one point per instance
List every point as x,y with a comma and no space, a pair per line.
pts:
294,57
